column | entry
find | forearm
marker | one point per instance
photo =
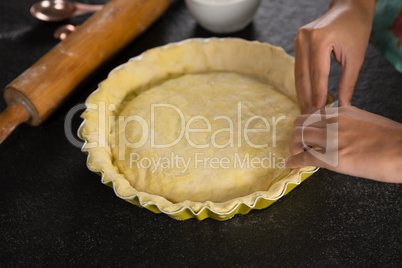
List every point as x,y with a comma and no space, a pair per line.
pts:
368,6
395,159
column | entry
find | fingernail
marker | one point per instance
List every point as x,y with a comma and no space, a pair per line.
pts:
284,161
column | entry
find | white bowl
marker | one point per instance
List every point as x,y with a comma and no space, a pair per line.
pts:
223,16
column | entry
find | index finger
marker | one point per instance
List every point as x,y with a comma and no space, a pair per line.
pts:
320,63
302,72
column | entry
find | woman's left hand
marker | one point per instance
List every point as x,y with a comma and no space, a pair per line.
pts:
351,141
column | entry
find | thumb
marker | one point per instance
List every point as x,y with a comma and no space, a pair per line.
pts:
321,158
299,160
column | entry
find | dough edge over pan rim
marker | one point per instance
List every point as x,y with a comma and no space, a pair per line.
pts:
276,68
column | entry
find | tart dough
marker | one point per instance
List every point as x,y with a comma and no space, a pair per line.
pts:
224,134
204,80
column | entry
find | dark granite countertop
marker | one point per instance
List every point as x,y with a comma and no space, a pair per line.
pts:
54,211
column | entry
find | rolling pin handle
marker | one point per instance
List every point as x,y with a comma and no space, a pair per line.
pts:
44,86
11,117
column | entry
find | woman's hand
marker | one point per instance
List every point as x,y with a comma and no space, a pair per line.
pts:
352,141
344,31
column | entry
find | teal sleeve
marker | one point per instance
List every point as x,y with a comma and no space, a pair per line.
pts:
387,30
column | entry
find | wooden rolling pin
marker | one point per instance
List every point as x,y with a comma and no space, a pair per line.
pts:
37,92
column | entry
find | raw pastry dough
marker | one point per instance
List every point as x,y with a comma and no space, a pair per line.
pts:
190,84
206,160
